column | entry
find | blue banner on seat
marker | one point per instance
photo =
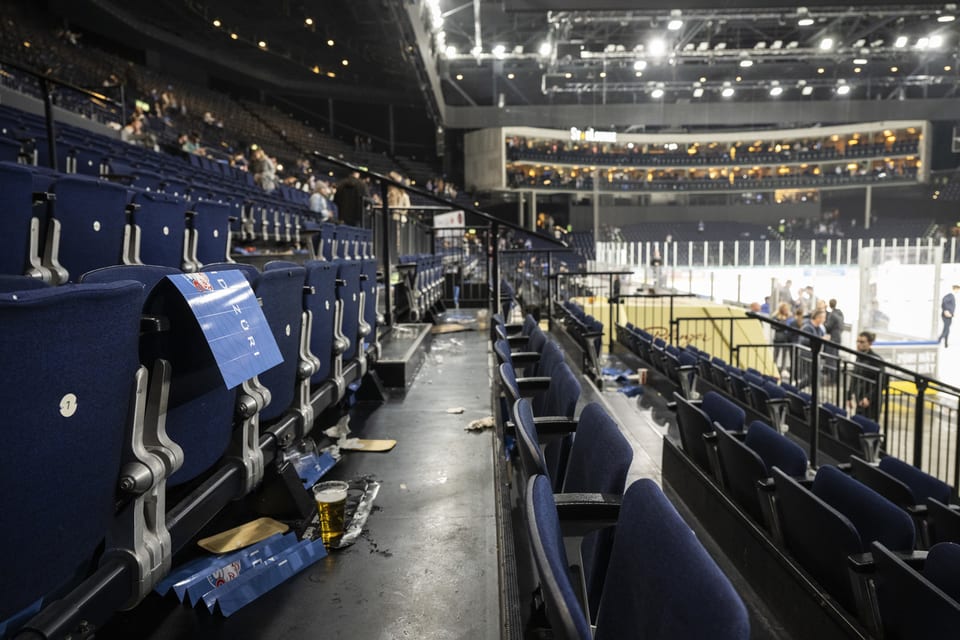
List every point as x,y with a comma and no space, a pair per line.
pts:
232,322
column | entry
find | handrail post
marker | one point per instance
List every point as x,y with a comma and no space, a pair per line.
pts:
387,258
922,384
48,113
674,339
495,283
730,343
815,346
610,277
549,290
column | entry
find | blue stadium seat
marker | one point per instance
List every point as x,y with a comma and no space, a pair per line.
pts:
91,221
61,462
160,231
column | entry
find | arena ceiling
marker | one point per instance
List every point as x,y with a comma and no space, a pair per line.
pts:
605,63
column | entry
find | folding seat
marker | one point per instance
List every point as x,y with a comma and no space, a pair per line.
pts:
21,226
159,233
599,462
745,464
861,434
326,342
9,150
210,232
280,289
559,401
723,412
81,404
904,485
348,295
835,518
660,583
89,229
829,414
771,399
918,604
693,424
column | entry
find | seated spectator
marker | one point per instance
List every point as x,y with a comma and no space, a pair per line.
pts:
319,201
264,170
133,133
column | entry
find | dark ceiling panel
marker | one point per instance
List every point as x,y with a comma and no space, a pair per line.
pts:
668,5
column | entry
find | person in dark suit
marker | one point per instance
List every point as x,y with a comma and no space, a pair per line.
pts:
865,388
349,198
948,306
833,326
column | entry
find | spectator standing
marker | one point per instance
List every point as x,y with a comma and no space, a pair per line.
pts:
349,197
834,322
863,392
948,306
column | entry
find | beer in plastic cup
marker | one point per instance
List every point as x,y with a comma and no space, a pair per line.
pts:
331,497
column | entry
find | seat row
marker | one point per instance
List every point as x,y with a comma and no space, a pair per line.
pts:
423,282
587,333
61,226
823,520
118,371
606,555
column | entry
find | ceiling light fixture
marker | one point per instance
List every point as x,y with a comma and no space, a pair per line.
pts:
746,64
308,22
345,62
656,93
698,92
217,23
459,76
900,42
545,49
657,47
843,90
859,61
330,43
234,36
894,69
776,91
943,19
675,25
805,22
639,65
826,44
451,51
510,76
727,93
807,90
499,51
262,44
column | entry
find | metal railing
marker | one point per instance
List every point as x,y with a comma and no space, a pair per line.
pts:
919,416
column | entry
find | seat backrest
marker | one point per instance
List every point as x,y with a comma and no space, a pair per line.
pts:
882,482
532,461
16,185
148,275
911,604
92,216
921,484
741,469
212,226
866,424
162,222
10,283
200,413
368,268
723,411
661,582
502,348
943,522
599,461
320,299
62,452
692,424
567,619
564,392
280,291
349,294
776,450
874,517
818,536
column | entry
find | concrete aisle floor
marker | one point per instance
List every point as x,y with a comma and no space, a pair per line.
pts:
426,567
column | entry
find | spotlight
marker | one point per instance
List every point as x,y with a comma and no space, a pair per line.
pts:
545,49
727,93
656,93
826,44
776,91
843,90
217,23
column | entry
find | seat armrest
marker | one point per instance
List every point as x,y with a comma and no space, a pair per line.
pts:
552,426
524,358
582,513
532,385
863,562
517,340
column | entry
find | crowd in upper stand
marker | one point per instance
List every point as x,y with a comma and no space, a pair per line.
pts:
177,117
